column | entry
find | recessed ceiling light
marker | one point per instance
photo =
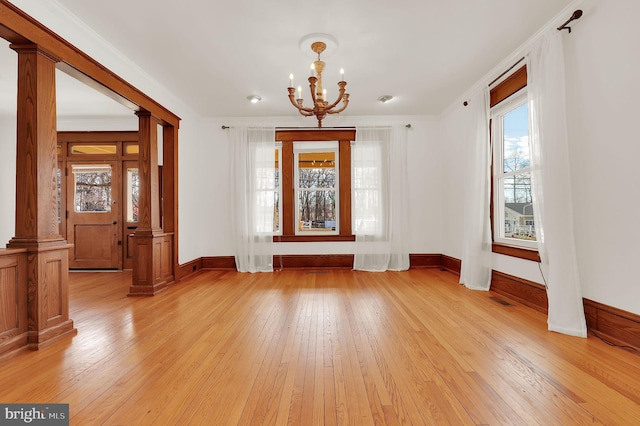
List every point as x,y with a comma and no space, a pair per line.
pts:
385,98
254,99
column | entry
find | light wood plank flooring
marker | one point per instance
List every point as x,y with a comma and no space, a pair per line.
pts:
319,348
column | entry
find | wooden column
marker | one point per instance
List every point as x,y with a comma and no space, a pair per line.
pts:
37,200
149,241
170,192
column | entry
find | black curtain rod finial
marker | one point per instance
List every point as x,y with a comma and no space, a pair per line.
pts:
576,15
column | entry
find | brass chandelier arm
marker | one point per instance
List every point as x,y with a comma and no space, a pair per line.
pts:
341,95
298,104
345,101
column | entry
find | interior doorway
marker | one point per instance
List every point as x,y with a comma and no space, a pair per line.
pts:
93,215
98,192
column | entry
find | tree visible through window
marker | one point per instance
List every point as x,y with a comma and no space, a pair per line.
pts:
317,186
92,188
313,185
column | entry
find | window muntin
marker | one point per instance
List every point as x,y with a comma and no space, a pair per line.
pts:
316,180
513,218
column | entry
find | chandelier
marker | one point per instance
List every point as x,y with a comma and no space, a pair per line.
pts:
321,107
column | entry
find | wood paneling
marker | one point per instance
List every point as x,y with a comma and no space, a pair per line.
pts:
153,266
48,296
523,291
189,268
301,261
219,262
13,300
425,260
612,324
451,264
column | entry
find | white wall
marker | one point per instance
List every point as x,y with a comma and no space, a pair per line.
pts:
602,69
425,186
603,94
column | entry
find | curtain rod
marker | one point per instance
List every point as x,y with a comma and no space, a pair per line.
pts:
408,126
506,71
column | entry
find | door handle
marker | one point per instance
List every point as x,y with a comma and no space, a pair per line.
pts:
115,222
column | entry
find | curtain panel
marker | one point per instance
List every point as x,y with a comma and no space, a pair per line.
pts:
475,271
380,199
253,178
551,184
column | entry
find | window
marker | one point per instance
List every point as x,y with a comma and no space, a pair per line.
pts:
513,221
316,186
132,189
277,195
313,180
92,188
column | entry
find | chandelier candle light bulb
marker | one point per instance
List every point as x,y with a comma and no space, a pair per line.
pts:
321,107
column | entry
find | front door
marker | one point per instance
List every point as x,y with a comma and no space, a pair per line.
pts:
93,209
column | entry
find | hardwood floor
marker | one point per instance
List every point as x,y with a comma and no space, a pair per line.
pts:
319,348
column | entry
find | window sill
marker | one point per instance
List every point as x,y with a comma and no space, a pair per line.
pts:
515,251
311,238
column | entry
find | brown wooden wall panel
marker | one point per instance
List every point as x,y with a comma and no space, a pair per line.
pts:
523,291
219,262
304,261
451,264
613,324
189,268
425,260
167,258
13,298
54,291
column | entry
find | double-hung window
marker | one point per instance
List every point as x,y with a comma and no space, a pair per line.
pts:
514,222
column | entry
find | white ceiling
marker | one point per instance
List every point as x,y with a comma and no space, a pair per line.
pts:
211,55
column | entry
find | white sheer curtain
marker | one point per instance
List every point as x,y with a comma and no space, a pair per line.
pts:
475,272
252,195
380,199
551,184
